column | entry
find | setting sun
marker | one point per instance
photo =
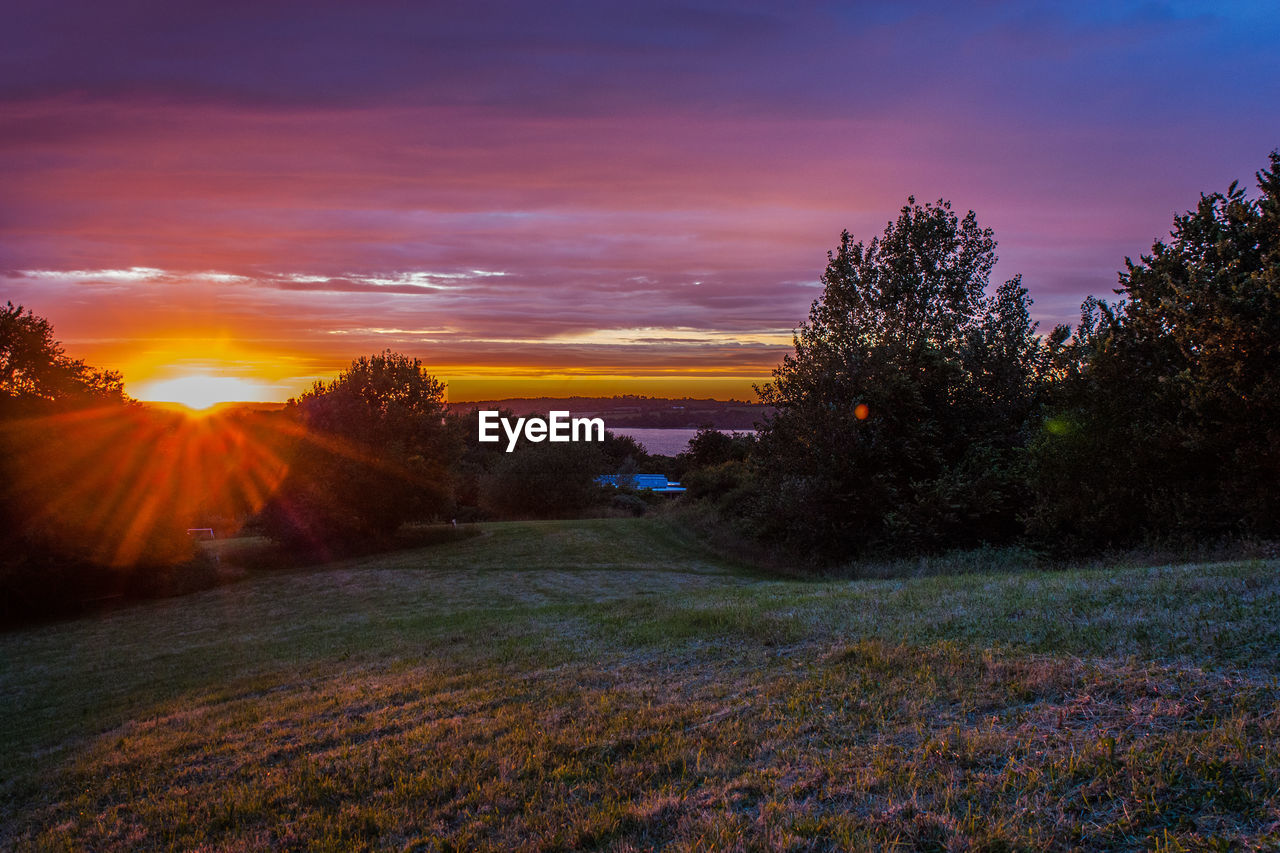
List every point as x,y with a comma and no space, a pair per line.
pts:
201,391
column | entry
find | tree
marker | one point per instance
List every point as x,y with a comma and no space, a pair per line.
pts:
35,372
1171,423
374,452
617,448
626,474
710,446
900,415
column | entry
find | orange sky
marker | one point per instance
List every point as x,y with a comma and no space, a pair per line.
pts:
273,359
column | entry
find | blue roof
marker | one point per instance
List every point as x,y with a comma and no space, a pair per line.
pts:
645,482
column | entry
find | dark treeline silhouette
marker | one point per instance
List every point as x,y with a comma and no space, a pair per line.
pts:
919,412
1167,420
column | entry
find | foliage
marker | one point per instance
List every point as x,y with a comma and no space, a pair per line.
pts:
902,410
374,451
1169,423
34,367
626,474
712,447
616,449
478,457
543,480
629,503
485,466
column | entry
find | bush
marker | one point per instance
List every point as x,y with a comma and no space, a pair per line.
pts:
543,481
629,504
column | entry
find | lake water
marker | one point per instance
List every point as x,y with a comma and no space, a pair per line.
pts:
662,442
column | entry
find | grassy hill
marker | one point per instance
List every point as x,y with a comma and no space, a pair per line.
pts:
610,684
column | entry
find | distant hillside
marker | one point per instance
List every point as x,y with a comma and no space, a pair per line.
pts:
633,411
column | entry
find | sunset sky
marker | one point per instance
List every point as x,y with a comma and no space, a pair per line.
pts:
577,198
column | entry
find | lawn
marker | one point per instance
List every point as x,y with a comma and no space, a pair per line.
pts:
609,684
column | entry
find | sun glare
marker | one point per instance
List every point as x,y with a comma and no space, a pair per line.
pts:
201,391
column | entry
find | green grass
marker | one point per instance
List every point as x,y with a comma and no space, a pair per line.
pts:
608,684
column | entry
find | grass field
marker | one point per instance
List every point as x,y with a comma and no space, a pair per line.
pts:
608,684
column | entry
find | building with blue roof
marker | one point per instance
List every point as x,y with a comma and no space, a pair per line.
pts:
656,483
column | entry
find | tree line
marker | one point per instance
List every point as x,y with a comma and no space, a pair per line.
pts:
921,411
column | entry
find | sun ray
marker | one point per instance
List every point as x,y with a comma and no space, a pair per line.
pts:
124,484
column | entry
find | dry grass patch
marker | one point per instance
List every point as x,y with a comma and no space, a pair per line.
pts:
844,746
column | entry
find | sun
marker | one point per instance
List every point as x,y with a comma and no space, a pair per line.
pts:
200,391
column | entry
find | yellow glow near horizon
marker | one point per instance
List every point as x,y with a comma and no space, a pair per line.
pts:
198,369
204,389
201,391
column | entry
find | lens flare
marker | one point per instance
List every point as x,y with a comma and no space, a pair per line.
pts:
121,485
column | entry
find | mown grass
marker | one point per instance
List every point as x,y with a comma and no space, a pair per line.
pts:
607,684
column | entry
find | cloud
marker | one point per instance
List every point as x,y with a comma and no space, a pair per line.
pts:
611,185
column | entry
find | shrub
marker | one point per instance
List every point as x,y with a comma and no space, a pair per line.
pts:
543,481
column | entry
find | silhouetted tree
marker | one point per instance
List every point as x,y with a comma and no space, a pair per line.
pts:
710,446
35,372
626,474
374,452
617,448
902,412
85,508
1169,424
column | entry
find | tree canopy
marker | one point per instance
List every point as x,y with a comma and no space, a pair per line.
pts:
898,412
374,452
34,367
1170,423
921,410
